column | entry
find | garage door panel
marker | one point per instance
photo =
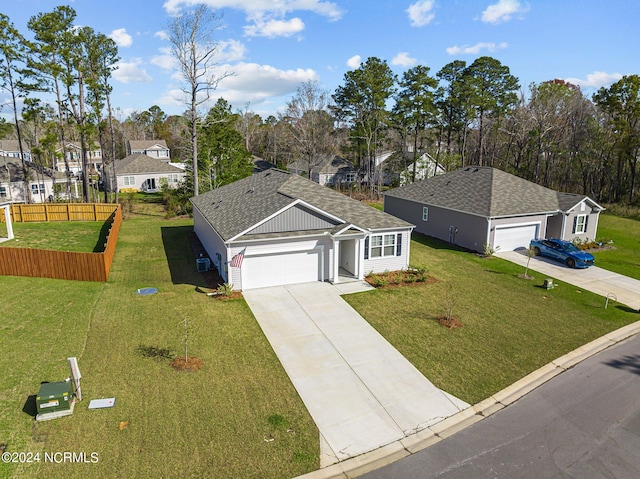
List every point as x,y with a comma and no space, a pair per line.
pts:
510,238
278,269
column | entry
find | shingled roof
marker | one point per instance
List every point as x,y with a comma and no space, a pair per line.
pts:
234,208
146,144
487,192
140,164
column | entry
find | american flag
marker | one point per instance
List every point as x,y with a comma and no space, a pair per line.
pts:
236,261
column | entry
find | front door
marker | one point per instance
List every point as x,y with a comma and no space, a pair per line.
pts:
150,184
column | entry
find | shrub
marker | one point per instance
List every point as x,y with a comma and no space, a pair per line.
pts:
225,289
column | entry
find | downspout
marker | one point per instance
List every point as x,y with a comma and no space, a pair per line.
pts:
488,233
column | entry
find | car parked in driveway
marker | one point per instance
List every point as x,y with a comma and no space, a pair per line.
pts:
563,251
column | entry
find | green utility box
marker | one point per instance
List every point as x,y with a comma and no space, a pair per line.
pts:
54,397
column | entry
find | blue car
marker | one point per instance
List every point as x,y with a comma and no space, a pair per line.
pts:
563,251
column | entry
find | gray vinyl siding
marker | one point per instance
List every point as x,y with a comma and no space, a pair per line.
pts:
296,218
390,263
211,242
592,223
471,230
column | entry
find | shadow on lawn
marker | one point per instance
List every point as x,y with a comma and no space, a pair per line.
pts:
181,258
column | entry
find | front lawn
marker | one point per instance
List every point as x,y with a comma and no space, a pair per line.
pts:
238,416
510,326
624,256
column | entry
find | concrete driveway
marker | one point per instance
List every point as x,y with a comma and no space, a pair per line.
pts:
361,392
594,279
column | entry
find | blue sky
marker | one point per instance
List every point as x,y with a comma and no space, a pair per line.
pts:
272,46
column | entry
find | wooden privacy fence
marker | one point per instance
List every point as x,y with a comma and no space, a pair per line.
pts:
61,212
41,263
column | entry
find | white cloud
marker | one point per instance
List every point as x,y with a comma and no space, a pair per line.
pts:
228,51
162,35
252,83
476,49
121,37
274,28
165,60
403,59
260,7
354,62
131,72
503,11
421,13
596,79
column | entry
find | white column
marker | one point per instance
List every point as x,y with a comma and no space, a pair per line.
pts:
7,217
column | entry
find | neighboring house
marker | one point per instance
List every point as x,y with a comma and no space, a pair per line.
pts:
326,170
477,206
73,155
275,228
10,149
41,182
142,173
425,167
152,148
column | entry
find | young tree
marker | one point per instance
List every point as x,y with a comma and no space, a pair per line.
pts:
361,102
193,46
12,51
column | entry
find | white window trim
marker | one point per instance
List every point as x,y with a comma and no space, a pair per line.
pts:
581,227
383,245
425,213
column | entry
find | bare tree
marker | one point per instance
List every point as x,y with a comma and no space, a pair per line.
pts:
193,46
310,122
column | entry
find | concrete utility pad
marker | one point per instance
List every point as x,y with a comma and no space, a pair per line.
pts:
594,279
361,392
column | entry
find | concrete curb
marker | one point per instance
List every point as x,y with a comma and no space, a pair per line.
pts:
370,461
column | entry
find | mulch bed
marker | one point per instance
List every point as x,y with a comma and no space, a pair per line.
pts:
395,279
191,364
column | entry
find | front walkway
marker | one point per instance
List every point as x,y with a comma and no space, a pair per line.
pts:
597,280
360,391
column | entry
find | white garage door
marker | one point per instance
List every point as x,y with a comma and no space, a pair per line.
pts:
278,269
513,237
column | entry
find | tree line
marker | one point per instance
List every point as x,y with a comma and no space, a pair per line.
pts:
463,114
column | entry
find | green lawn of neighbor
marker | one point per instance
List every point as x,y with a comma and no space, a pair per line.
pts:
623,255
77,236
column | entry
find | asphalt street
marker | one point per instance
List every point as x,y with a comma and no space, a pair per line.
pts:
584,423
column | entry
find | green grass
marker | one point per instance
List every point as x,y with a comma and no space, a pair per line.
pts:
624,257
209,423
213,422
511,326
77,236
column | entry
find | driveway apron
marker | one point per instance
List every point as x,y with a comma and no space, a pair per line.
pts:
361,392
597,280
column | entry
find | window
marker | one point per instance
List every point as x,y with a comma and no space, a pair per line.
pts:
3,192
129,180
382,245
580,224
172,178
425,213
350,177
35,190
